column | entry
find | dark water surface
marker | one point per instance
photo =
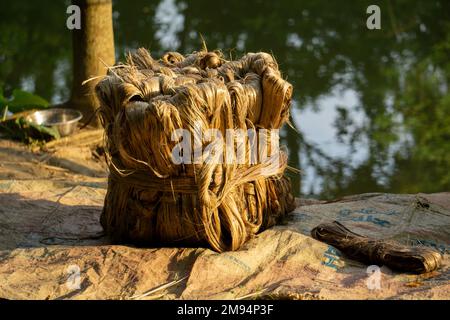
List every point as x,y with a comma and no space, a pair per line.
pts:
372,107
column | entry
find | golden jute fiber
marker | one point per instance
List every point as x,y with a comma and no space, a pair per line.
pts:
151,200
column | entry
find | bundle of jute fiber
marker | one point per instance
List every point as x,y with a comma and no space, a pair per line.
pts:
377,251
208,198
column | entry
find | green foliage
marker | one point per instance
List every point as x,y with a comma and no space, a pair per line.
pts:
17,127
22,101
30,133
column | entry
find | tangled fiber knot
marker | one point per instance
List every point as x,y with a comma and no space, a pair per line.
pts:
153,201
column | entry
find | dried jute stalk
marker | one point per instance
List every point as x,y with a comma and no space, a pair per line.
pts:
153,201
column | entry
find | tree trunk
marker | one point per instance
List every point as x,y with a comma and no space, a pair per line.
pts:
93,51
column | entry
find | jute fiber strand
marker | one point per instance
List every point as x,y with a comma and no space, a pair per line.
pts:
152,200
376,251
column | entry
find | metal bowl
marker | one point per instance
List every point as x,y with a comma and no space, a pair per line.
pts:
63,120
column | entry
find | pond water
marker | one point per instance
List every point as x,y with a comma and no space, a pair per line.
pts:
371,107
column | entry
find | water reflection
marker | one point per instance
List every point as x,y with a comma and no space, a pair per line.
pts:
170,21
372,108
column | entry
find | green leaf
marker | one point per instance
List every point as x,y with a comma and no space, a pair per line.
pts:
28,132
45,132
22,101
